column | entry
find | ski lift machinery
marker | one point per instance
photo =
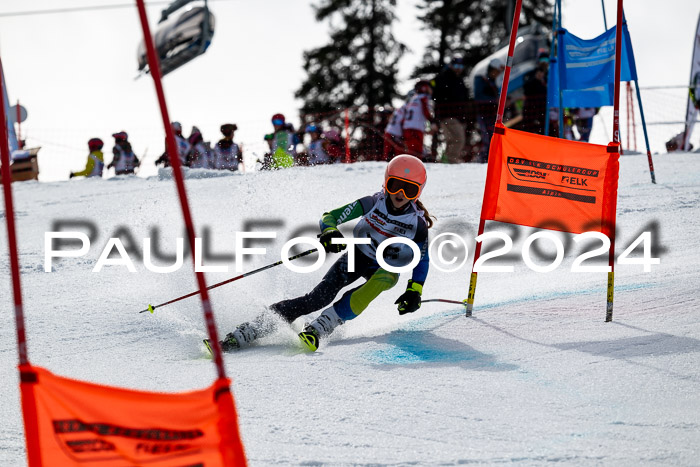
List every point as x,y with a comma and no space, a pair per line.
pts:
181,35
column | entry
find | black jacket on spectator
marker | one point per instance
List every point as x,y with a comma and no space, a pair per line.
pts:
535,104
450,95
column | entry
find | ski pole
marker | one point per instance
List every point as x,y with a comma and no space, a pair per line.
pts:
151,308
444,300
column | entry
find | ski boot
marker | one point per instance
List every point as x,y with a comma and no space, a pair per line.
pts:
240,338
321,326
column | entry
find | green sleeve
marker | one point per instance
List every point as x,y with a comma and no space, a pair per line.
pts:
335,217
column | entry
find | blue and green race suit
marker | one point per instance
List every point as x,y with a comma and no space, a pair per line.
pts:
379,221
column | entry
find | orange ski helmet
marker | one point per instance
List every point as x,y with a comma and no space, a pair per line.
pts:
405,173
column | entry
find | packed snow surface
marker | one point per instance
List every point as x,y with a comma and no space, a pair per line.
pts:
535,376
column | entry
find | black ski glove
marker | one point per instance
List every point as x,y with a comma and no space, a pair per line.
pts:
325,239
71,175
410,300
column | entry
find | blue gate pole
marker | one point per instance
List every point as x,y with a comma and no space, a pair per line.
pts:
646,136
630,55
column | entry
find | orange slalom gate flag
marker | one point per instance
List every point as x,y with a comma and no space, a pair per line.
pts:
75,423
551,183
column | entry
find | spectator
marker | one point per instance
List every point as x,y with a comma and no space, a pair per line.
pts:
95,163
393,134
535,105
183,147
227,154
486,96
124,160
419,110
283,144
335,147
317,153
198,157
451,96
267,158
583,119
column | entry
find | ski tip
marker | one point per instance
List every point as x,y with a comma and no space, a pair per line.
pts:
309,340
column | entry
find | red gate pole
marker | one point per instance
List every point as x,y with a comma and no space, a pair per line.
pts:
347,136
615,143
25,373
11,232
154,65
499,123
509,62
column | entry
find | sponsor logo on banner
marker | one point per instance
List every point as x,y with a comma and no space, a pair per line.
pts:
576,181
81,438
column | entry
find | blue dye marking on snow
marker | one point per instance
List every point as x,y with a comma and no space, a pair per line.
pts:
559,294
411,347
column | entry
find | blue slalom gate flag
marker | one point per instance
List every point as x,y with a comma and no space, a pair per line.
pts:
585,69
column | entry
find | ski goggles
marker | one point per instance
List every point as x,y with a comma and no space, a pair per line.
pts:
410,189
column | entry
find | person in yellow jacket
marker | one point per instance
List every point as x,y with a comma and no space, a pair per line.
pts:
95,163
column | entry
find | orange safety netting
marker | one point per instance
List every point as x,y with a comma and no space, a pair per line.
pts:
545,182
74,423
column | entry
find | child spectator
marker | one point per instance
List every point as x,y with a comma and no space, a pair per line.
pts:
183,147
124,160
199,152
393,134
267,158
419,110
317,147
95,163
227,154
335,147
283,144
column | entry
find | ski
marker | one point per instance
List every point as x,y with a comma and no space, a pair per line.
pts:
293,350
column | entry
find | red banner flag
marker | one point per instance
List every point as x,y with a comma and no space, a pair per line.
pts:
74,423
551,183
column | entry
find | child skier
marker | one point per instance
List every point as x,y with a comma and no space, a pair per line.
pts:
95,162
393,212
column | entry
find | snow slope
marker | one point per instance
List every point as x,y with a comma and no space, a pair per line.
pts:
535,376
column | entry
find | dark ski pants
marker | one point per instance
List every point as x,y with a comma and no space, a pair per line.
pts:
353,302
